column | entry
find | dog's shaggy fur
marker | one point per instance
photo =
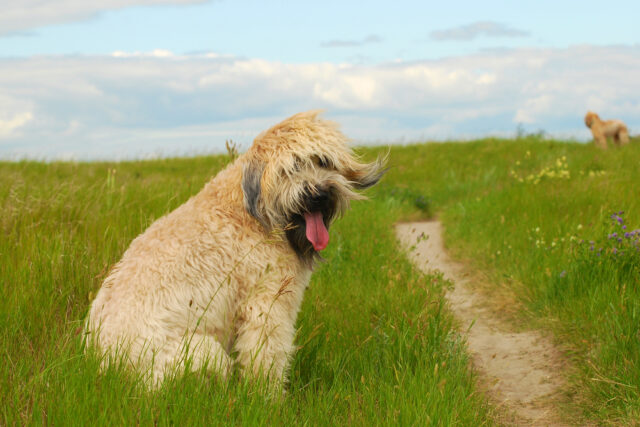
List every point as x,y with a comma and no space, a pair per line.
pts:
603,129
219,281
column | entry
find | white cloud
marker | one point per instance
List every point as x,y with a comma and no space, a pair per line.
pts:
24,15
8,126
156,53
372,38
131,104
533,108
477,29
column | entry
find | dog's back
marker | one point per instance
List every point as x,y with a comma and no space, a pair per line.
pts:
613,126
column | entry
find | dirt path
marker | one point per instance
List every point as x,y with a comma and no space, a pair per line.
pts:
520,370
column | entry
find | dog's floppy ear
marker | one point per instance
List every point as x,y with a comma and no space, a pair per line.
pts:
370,174
251,177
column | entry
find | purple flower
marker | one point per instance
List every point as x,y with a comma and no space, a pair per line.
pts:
563,273
615,251
618,218
627,235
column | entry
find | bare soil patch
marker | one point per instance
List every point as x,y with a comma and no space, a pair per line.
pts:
521,371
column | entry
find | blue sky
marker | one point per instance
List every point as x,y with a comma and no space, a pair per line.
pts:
136,78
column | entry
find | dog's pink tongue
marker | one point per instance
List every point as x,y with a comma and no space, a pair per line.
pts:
316,231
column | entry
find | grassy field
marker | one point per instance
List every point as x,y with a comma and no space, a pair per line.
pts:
376,342
377,345
552,227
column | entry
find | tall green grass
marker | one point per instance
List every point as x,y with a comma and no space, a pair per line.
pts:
518,211
376,342
377,345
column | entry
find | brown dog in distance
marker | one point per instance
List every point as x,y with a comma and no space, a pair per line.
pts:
603,129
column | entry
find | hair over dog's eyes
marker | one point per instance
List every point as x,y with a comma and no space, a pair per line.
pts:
322,162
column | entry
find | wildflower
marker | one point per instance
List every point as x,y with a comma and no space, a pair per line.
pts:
563,273
579,227
617,218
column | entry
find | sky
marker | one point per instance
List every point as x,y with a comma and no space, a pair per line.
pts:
118,79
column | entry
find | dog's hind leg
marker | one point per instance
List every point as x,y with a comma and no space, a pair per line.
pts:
623,136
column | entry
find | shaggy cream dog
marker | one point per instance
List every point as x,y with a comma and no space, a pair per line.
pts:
219,281
603,129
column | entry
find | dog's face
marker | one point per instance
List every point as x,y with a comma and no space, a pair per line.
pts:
300,175
590,118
